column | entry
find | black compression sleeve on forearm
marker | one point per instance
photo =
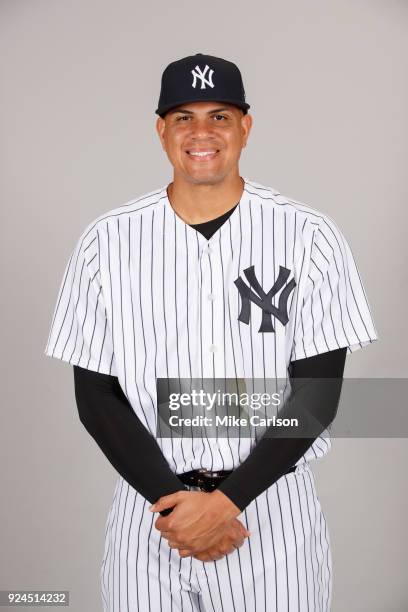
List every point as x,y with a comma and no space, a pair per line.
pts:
310,401
107,415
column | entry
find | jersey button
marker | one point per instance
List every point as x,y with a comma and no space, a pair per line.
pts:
211,296
213,348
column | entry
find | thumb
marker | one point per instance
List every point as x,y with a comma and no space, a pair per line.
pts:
245,531
167,501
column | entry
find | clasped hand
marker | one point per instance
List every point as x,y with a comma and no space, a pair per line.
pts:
202,525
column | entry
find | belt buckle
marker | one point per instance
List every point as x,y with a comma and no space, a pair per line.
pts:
204,485
204,481
207,474
200,481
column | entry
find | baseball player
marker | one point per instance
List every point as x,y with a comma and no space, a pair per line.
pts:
213,276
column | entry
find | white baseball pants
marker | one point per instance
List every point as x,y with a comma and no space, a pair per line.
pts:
284,566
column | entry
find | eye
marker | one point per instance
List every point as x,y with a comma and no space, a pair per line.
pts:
220,117
182,117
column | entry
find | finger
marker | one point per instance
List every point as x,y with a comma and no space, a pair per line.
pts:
240,538
184,552
225,550
237,543
236,536
208,556
244,531
243,528
202,557
175,543
197,546
167,501
163,523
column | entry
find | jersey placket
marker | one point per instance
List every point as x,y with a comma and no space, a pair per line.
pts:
211,349
211,334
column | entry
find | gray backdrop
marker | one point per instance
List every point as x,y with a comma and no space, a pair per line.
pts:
80,82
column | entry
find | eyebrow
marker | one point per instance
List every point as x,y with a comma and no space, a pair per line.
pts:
189,112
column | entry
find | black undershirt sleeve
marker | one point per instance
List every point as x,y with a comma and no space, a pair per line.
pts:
316,386
109,418
107,415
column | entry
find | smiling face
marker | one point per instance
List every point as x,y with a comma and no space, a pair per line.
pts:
204,140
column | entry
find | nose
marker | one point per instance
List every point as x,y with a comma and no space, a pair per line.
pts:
201,129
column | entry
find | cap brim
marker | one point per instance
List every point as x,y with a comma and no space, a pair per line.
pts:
163,109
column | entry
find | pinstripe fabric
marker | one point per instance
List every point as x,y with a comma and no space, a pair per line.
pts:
285,565
144,295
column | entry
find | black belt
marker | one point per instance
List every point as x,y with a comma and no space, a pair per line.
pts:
208,481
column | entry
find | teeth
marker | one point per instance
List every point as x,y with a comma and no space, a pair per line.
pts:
201,153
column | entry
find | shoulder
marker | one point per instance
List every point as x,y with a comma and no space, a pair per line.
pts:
129,209
319,221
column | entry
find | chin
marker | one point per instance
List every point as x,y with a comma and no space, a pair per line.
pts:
206,179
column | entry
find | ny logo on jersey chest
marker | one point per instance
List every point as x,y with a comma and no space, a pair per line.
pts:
264,300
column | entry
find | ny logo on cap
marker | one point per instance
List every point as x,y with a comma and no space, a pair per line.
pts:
264,301
200,74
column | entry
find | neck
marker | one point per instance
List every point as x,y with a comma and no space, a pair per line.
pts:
198,203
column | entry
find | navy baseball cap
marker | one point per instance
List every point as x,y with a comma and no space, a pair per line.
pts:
199,78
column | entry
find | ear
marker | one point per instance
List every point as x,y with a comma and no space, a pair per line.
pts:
160,127
246,124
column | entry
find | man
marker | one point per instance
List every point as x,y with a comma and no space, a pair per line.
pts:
211,277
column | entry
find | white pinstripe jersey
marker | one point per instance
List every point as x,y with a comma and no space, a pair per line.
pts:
144,295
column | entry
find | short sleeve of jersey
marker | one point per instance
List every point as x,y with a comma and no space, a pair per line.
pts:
80,333
333,310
